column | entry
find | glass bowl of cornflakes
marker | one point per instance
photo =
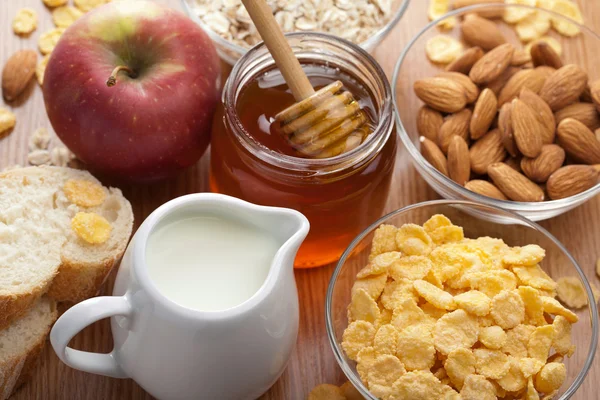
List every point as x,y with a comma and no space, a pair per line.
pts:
446,54
448,297
365,22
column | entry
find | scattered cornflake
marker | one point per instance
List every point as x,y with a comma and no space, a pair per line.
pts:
8,121
64,16
512,15
48,40
571,292
40,69
91,227
443,49
570,10
85,193
55,3
533,26
87,5
326,392
25,21
350,392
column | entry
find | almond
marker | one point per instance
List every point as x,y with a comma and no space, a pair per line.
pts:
571,180
514,163
429,122
520,57
17,73
454,125
543,113
485,188
466,60
514,185
441,94
564,86
487,150
498,84
481,32
459,166
578,141
506,131
597,133
595,93
543,54
471,89
540,168
492,65
545,71
432,153
583,112
526,129
483,114
526,78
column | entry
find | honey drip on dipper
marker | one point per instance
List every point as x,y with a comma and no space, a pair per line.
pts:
321,124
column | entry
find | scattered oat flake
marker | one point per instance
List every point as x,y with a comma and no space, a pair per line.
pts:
60,156
7,121
25,21
40,140
64,16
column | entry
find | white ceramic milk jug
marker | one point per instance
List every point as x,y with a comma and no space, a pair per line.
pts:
175,352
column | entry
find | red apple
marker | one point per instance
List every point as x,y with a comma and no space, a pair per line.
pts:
131,88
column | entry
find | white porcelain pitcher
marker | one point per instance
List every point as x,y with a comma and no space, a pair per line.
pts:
175,352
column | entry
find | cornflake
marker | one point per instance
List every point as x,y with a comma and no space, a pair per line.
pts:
512,15
473,315
326,392
48,40
7,121
571,292
25,21
84,193
87,5
570,10
40,69
64,16
91,227
55,3
443,49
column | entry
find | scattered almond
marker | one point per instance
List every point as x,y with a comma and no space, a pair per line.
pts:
487,150
441,94
485,188
492,64
526,78
432,153
583,112
17,73
543,54
543,113
506,131
578,141
540,168
481,32
484,113
459,167
471,89
466,60
564,86
571,180
454,125
526,129
514,185
429,122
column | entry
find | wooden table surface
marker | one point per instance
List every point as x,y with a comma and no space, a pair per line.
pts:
312,362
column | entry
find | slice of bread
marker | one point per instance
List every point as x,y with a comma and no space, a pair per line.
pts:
40,252
21,344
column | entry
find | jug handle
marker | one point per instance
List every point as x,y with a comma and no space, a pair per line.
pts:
76,319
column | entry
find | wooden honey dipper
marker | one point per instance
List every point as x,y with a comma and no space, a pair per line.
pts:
320,124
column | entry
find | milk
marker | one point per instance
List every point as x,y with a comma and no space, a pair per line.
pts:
209,263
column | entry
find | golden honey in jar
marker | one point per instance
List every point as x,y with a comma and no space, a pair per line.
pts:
252,160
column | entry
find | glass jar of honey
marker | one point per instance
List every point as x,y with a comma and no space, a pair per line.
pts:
340,195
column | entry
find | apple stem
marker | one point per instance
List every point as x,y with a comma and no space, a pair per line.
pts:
112,79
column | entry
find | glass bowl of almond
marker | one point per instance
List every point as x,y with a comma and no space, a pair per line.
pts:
365,22
504,107
452,299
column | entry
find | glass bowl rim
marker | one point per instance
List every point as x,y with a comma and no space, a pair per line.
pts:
417,157
240,51
338,351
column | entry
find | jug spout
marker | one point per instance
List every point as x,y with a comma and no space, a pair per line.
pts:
290,227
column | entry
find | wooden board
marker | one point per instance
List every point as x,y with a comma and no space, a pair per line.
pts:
312,362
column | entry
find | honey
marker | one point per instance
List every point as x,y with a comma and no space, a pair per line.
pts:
251,160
